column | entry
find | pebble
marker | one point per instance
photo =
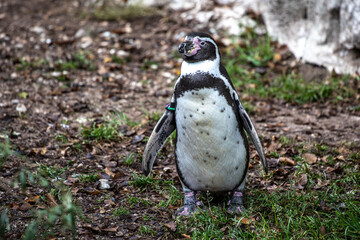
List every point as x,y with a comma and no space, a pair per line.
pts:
21,108
104,184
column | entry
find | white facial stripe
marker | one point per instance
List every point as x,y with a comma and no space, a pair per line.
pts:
214,43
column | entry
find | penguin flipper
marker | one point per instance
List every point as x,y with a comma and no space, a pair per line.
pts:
250,129
164,127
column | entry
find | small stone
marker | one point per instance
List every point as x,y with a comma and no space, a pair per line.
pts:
80,33
21,108
104,184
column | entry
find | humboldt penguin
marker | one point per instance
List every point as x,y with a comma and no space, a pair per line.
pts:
211,150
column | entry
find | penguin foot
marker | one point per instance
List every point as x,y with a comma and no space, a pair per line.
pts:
235,205
190,204
186,210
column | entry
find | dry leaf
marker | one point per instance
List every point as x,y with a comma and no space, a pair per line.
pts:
112,229
287,161
50,200
171,226
186,236
277,57
310,158
303,180
247,221
322,230
109,172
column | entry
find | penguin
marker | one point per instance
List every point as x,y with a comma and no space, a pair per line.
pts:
211,149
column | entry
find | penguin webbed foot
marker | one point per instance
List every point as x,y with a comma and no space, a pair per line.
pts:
235,204
190,204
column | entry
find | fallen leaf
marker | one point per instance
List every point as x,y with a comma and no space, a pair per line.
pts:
112,229
303,179
91,190
322,230
109,172
171,226
310,158
287,161
277,57
50,200
186,236
247,221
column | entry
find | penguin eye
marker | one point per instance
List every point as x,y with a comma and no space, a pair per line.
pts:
202,43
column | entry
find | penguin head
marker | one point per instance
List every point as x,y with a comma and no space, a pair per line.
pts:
198,47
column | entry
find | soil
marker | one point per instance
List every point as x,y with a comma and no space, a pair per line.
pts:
58,102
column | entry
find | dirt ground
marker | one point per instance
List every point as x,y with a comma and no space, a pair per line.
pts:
40,101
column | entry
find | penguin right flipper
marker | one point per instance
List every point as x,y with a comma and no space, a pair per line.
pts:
250,129
165,126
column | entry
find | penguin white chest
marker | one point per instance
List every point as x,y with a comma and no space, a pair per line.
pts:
210,150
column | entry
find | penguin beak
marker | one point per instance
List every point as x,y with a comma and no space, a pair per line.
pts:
189,48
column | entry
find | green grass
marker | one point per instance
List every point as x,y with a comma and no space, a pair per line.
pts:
50,171
24,65
108,130
5,151
146,230
81,60
129,160
281,215
121,211
257,51
88,178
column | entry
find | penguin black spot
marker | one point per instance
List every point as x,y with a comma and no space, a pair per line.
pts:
214,102
238,142
197,109
202,103
237,167
204,161
197,124
224,138
203,99
203,112
229,116
190,115
192,93
222,110
183,134
215,158
184,117
183,127
208,133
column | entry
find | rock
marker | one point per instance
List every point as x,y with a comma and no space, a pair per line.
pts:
350,24
150,3
104,184
21,108
37,29
80,33
320,32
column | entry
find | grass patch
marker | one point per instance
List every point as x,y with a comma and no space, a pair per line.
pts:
108,130
121,211
330,214
5,151
257,51
81,60
89,178
50,171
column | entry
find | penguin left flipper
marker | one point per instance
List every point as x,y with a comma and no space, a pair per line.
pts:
164,127
250,129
